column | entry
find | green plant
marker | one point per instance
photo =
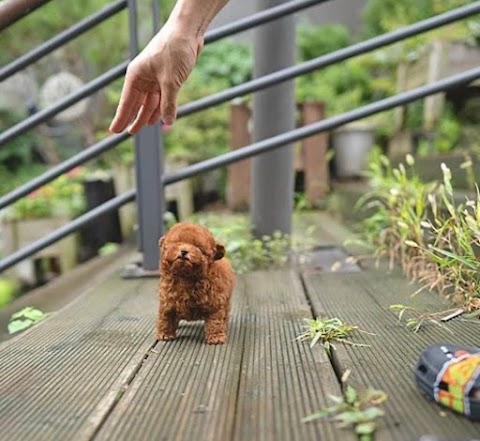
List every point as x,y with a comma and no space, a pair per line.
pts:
8,289
100,50
327,330
353,408
420,226
301,202
415,319
381,16
398,206
108,248
226,61
24,319
446,134
248,253
18,152
9,180
453,245
201,135
313,41
62,197
349,85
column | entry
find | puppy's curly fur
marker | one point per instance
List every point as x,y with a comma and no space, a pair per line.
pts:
196,282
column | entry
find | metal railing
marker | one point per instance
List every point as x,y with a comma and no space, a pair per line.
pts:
207,102
13,10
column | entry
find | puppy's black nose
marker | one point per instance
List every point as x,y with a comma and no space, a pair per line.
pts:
184,252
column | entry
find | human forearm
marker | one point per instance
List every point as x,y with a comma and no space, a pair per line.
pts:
155,76
193,17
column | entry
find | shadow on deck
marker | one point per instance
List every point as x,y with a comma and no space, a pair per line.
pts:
95,371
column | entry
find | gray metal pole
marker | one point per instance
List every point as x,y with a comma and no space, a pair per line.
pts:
149,170
274,113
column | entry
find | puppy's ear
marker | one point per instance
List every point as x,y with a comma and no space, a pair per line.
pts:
160,241
219,251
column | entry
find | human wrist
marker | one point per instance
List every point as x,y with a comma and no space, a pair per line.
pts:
192,17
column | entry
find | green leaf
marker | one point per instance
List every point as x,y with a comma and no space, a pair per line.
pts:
349,417
455,257
19,325
372,412
315,339
316,416
108,249
30,313
337,399
366,428
21,313
351,395
397,306
34,314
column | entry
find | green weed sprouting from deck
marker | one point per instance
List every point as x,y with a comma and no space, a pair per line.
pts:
326,331
353,408
415,319
248,253
419,226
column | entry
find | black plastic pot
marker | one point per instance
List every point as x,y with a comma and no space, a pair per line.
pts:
107,227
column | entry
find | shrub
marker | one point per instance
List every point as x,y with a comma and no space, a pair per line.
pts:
314,41
419,226
62,197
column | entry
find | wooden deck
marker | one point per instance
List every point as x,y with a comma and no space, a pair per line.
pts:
93,371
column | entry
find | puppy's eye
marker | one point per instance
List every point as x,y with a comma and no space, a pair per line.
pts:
203,251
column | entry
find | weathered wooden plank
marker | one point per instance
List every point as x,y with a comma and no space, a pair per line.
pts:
282,380
258,386
186,389
59,380
363,299
325,230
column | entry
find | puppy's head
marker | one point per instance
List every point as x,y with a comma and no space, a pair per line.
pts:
188,250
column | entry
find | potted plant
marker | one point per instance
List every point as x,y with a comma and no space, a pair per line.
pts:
38,214
342,89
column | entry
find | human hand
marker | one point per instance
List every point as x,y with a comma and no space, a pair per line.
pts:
154,78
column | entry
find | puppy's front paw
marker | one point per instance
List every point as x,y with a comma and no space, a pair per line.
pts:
165,336
216,339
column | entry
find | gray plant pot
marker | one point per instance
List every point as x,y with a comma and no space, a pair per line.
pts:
352,145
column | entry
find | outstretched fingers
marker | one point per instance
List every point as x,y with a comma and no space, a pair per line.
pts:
130,102
148,108
156,114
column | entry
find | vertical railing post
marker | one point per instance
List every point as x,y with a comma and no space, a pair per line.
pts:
149,169
274,113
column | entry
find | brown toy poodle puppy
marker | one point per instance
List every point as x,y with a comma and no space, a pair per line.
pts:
196,282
